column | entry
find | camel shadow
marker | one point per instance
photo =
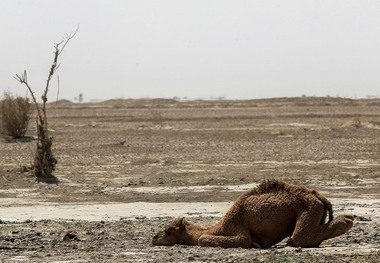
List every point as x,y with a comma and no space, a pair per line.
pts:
25,139
48,179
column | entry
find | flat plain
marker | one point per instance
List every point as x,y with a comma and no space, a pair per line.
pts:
125,167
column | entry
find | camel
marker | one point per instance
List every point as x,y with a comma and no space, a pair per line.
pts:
262,217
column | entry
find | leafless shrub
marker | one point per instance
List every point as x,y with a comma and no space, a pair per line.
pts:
156,114
44,161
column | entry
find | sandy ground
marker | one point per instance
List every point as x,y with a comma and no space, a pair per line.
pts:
127,166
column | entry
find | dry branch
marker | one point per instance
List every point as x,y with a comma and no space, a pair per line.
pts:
44,161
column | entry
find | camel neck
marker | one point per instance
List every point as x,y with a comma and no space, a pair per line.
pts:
193,233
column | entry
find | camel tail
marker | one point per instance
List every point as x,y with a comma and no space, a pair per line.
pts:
328,207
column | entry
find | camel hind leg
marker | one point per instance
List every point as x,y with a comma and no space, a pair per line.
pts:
309,232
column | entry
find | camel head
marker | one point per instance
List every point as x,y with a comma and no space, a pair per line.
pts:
173,233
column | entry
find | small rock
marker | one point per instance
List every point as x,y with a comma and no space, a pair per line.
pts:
71,236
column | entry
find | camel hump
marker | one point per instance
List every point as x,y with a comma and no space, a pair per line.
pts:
268,186
271,185
276,185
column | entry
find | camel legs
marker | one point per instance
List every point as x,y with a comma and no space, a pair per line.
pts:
225,241
309,232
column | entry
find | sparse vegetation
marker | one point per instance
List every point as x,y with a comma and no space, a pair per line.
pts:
354,122
44,161
156,115
15,115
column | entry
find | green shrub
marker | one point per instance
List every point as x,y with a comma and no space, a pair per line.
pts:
15,115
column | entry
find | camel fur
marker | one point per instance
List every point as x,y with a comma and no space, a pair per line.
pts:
263,217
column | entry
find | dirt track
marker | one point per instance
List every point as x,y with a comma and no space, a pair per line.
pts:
163,151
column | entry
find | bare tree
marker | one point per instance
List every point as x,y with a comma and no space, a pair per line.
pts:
44,161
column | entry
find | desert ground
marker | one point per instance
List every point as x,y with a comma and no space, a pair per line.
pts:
126,167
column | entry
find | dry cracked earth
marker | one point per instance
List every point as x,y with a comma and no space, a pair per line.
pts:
125,167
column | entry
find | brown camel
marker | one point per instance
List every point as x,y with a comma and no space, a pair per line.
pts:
263,217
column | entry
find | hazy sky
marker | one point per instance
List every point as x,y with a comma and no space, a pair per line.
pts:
195,49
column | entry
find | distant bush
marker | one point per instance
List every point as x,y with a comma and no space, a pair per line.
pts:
156,115
15,115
